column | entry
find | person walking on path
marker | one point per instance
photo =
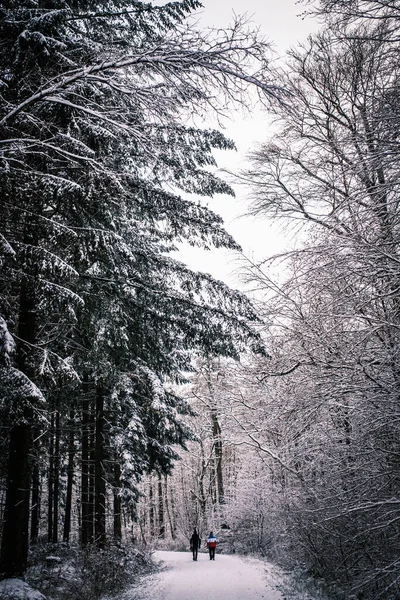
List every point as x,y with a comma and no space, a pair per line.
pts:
211,545
195,543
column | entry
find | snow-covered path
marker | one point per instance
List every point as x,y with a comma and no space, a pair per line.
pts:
226,578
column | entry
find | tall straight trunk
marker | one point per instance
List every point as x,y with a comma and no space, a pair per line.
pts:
15,540
117,503
35,502
70,479
142,526
35,505
91,469
216,432
50,483
169,507
56,477
161,523
151,509
218,455
202,493
212,486
100,482
86,534
2,503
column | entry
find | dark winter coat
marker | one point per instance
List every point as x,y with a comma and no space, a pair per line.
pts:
195,541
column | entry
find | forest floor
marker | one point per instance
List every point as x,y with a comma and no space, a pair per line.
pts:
229,577
159,575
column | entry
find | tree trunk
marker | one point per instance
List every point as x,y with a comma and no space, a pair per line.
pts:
202,494
50,484
56,478
169,500
117,503
218,455
86,534
70,480
161,524
91,470
151,509
15,542
15,538
35,505
216,432
100,483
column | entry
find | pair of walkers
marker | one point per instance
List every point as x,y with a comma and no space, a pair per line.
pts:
195,543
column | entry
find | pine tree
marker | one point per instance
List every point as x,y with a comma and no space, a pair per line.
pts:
94,159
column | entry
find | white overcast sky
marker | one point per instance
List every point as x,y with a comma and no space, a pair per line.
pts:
280,22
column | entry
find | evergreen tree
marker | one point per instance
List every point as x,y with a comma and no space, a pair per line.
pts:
94,154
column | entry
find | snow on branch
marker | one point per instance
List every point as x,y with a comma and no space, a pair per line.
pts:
223,63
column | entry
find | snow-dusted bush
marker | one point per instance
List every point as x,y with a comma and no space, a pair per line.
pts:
89,574
16,589
100,572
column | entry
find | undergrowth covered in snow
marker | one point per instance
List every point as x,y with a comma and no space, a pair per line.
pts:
89,574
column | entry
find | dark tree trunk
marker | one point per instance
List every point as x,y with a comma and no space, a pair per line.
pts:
117,504
212,487
56,478
218,455
35,502
100,482
50,487
217,475
169,500
151,509
35,506
161,524
202,494
86,534
70,480
15,542
91,469
15,538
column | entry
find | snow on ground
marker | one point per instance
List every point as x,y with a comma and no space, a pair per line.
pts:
16,589
227,578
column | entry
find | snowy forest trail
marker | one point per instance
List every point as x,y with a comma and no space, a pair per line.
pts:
226,578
